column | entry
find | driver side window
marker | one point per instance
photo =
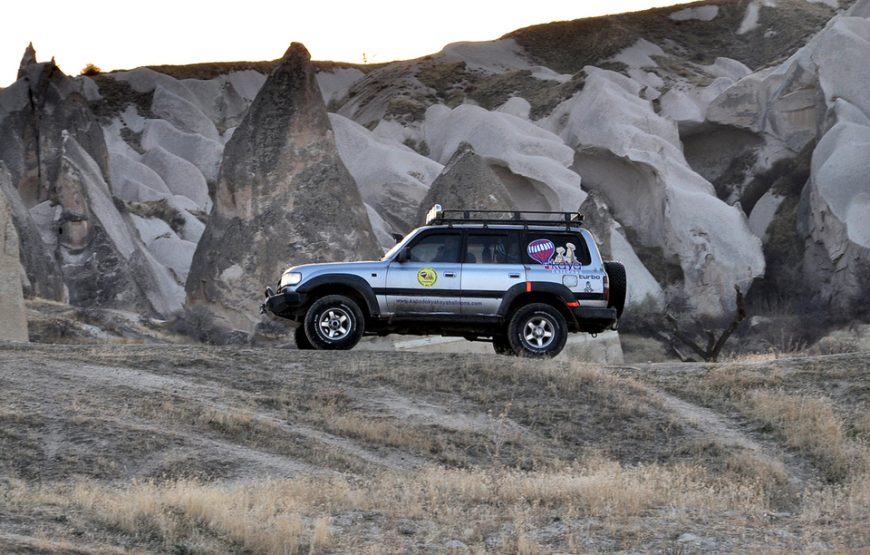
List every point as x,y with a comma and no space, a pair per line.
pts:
440,247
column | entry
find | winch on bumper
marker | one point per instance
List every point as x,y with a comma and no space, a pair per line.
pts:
286,304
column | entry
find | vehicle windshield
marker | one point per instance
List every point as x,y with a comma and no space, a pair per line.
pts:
397,247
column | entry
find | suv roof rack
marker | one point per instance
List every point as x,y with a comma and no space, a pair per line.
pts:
437,215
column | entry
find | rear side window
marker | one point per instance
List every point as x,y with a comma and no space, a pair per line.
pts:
560,250
492,248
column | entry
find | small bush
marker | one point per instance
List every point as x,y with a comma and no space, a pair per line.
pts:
90,70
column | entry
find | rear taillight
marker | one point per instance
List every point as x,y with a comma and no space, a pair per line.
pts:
606,288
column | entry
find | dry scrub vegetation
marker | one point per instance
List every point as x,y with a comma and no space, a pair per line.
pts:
184,449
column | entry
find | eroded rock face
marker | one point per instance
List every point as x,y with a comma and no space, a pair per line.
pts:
78,244
45,104
283,197
13,323
467,183
533,163
633,158
43,277
392,178
611,241
817,100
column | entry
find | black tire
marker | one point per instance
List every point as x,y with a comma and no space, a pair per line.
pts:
302,342
537,330
618,285
502,346
334,322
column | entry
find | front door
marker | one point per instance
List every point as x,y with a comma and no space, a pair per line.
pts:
429,282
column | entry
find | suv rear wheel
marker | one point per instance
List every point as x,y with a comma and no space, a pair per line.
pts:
537,330
334,322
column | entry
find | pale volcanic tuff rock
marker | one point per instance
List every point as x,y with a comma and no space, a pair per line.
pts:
610,238
392,178
78,245
35,112
633,158
533,163
103,262
283,196
466,183
818,95
13,323
838,255
42,274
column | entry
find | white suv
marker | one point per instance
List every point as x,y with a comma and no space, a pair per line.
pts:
521,280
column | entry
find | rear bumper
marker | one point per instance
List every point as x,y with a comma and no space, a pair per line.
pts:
285,305
592,319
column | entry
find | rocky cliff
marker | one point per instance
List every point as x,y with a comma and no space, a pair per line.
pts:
13,324
713,144
283,197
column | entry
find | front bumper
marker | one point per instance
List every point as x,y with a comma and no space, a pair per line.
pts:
286,304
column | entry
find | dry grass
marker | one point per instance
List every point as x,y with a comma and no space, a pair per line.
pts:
485,508
441,452
732,381
294,516
809,425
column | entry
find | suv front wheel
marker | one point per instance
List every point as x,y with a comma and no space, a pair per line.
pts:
334,322
537,330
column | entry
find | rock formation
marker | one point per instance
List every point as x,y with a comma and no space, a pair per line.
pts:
676,131
42,274
392,178
67,218
13,323
467,182
815,100
283,197
533,163
633,158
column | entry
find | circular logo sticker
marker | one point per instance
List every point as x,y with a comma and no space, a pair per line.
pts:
427,277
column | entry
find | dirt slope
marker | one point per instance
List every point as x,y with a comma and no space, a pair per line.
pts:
191,449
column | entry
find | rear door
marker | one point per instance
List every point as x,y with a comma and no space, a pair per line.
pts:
429,282
561,257
491,265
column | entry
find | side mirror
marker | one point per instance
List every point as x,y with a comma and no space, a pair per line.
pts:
404,255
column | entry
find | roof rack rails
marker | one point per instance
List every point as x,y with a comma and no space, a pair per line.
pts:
437,215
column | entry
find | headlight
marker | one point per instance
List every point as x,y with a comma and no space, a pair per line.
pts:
290,278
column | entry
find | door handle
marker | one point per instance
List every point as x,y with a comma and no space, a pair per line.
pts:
514,275
449,274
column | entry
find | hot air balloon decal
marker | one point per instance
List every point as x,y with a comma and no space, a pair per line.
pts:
541,250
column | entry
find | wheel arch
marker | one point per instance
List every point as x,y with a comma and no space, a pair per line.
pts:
538,292
353,287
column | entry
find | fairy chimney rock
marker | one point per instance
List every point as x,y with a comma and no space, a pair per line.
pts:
283,197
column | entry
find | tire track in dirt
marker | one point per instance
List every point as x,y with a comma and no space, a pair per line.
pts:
728,432
76,376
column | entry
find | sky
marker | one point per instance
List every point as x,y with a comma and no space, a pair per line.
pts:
123,35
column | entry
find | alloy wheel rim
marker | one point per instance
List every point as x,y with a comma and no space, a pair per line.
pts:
335,324
539,332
